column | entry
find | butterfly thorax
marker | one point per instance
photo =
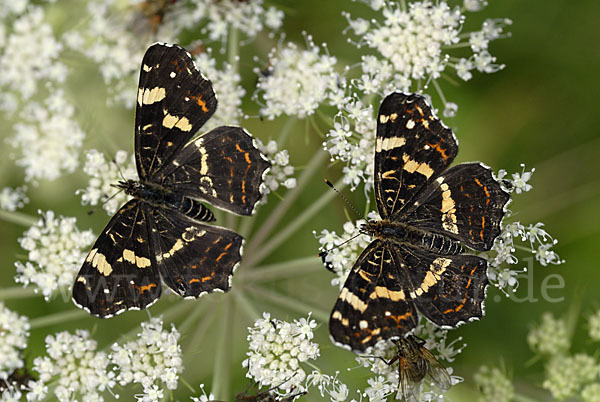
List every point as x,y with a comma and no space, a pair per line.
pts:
159,196
387,230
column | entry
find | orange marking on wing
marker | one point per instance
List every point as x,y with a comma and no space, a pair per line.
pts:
399,318
487,193
200,102
243,199
478,182
438,148
244,186
146,288
208,278
227,246
194,280
221,256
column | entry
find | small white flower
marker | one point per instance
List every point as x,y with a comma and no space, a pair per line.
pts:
14,331
152,360
280,171
56,249
275,350
298,81
13,199
104,174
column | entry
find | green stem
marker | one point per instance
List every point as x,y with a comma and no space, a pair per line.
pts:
242,301
192,317
18,218
300,266
17,293
233,48
196,340
57,318
221,376
275,217
290,302
285,131
276,240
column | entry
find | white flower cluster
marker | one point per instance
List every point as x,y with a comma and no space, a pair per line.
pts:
29,56
280,173
74,368
413,44
538,240
226,83
336,390
12,199
385,382
249,17
298,81
115,37
276,350
152,359
338,258
14,331
55,250
103,174
351,141
44,148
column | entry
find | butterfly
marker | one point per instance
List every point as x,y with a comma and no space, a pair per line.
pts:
417,262
160,232
415,363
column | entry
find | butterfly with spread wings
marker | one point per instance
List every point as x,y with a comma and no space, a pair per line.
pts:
417,262
159,233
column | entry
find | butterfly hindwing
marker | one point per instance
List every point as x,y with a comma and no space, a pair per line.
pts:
465,203
223,167
448,289
118,273
174,100
193,258
372,304
412,148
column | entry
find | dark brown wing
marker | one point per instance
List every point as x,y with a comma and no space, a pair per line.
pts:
412,148
118,273
373,303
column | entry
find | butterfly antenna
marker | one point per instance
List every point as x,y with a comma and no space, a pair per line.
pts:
119,169
93,210
344,198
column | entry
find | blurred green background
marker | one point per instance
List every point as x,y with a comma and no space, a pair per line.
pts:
541,110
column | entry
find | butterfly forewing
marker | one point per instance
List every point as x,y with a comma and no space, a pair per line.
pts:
223,167
118,273
173,101
412,148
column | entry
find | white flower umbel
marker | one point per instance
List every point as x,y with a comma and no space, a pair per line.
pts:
152,360
12,199
281,170
29,56
73,369
297,81
14,331
226,83
352,141
341,259
418,42
535,238
55,251
42,147
103,175
276,350
328,386
115,34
